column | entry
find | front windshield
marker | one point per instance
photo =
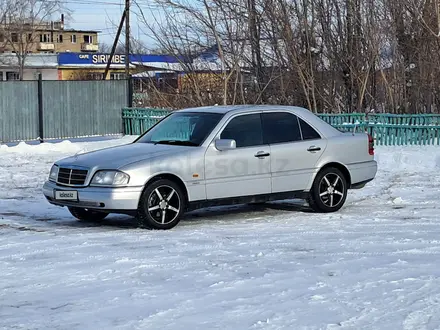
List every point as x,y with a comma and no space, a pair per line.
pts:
182,128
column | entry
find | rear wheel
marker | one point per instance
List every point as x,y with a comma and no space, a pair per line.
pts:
329,191
161,205
86,214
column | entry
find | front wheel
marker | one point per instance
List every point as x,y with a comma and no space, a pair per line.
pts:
86,214
329,191
161,205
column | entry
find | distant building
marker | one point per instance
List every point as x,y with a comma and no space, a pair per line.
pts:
81,66
46,64
167,72
46,37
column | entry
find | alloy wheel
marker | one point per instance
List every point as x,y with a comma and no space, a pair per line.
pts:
331,190
163,204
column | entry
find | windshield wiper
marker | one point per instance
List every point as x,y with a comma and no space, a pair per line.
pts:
176,142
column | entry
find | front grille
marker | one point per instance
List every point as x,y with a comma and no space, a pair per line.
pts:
72,176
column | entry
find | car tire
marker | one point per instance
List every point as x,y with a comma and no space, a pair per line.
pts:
87,215
161,205
329,191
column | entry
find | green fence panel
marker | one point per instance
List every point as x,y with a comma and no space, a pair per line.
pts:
346,118
394,134
405,134
383,118
138,120
386,129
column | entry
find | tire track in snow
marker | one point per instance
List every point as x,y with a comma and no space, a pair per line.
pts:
158,236
422,303
421,318
225,241
139,257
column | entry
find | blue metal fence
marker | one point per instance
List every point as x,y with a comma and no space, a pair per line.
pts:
18,111
68,109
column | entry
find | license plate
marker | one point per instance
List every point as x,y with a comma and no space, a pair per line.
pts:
68,195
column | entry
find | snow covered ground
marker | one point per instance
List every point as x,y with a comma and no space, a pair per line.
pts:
373,265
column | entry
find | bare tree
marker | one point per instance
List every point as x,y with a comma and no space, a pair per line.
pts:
201,28
20,24
104,47
326,55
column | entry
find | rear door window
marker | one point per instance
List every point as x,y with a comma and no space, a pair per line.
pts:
280,127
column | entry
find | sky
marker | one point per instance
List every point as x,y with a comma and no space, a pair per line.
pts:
104,16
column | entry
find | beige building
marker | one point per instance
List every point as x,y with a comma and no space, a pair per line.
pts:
46,37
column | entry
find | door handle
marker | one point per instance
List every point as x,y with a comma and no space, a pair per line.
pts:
313,148
262,154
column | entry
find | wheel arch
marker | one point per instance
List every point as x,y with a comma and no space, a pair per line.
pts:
171,177
344,170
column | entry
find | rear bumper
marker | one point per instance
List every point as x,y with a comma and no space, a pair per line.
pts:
106,199
362,173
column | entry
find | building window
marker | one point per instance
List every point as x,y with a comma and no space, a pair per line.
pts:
30,37
12,76
73,38
14,37
1,75
117,76
60,39
46,37
88,39
2,37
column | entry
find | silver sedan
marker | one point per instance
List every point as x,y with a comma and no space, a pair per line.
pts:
219,155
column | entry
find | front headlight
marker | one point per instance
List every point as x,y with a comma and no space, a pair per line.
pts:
110,178
53,175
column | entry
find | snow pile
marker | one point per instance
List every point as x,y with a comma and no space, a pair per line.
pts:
372,265
408,158
65,147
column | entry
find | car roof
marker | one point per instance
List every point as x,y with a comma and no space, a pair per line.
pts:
305,114
223,109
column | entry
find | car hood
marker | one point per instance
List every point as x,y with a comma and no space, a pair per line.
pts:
119,156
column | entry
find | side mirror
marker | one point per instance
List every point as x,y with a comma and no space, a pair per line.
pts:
225,144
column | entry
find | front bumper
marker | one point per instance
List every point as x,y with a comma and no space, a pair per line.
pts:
117,199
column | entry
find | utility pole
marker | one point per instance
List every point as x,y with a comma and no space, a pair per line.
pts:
255,46
127,55
115,43
127,38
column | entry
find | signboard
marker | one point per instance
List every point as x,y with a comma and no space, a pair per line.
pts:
89,59
103,59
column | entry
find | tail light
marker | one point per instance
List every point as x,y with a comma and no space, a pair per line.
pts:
370,145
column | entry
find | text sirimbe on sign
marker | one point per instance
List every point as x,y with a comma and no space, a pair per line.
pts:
99,59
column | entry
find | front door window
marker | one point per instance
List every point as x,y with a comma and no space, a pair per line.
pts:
246,130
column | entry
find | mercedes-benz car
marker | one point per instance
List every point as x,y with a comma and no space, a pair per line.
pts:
217,155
